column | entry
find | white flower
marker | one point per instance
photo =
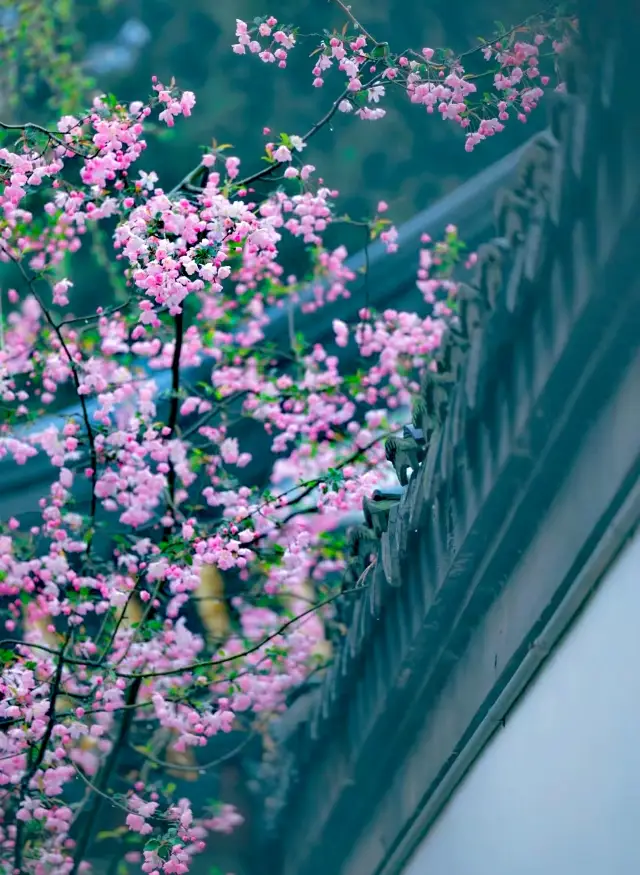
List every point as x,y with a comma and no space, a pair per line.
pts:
148,180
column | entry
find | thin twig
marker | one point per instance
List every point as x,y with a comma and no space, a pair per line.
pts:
52,136
347,11
197,767
211,663
90,318
543,14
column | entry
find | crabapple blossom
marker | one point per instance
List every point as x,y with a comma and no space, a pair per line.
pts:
159,594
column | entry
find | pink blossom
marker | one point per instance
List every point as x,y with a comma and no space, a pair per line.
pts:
60,290
282,154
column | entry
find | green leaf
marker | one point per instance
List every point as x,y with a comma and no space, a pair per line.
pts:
380,51
110,834
334,478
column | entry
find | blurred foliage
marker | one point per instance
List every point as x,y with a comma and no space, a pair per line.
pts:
40,48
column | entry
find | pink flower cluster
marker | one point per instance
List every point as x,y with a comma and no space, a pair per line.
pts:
437,80
173,105
280,41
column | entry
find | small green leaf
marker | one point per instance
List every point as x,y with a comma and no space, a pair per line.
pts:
380,51
110,834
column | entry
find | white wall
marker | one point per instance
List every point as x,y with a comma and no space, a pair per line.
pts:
557,792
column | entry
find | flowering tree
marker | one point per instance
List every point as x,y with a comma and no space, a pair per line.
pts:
123,651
